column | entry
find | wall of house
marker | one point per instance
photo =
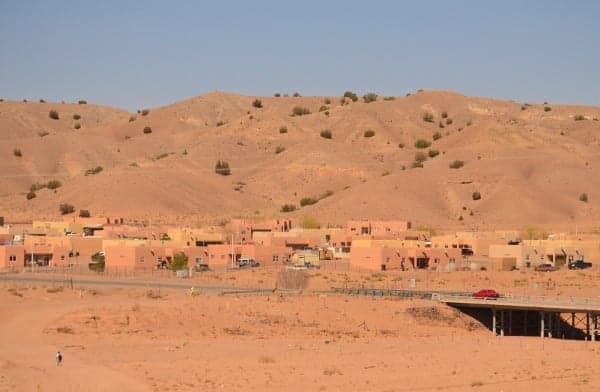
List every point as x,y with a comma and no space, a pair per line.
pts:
12,257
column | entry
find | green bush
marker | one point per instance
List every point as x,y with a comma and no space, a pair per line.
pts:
180,262
257,103
456,164
53,114
66,208
222,168
433,153
437,136
422,143
308,201
326,133
147,130
583,197
283,129
352,96
369,133
288,208
17,152
300,111
370,97
476,196
84,214
428,117
53,184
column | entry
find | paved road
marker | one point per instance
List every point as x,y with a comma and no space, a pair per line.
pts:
566,305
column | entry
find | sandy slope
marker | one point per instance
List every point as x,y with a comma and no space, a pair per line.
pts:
546,159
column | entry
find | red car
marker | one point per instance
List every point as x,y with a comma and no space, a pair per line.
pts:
486,294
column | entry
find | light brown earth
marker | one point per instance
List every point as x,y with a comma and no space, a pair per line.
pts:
125,339
530,166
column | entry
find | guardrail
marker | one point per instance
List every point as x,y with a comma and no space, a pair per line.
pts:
525,300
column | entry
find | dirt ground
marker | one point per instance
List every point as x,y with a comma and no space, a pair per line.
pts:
167,340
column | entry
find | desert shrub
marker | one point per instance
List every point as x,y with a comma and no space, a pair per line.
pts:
31,195
17,152
547,108
180,262
444,114
441,124
352,96
257,103
307,201
579,117
53,184
469,123
326,133
428,117
300,111
416,164
36,187
277,95
297,95
288,208
369,133
422,143
279,149
292,279
456,164
476,196
76,116
147,130
326,194
309,222
523,107
145,112
222,168
43,133
390,98
77,125
433,153
84,213
420,157
132,118
327,101
449,121
220,123
82,102
160,156
95,170
583,197
437,136
370,97
53,114
283,129
323,108
401,145
66,208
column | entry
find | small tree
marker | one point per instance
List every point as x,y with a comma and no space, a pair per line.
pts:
257,103
326,133
370,97
428,117
476,196
53,114
222,168
180,262
583,197
66,208
422,143
369,133
84,214
456,164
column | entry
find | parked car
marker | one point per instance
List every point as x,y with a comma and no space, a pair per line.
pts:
546,268
245,262
578,264
486,294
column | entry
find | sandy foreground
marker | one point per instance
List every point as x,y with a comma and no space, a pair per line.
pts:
167,340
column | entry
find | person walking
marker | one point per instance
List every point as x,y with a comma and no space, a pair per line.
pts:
59,358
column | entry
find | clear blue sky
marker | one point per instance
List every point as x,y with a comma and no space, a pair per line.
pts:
136,54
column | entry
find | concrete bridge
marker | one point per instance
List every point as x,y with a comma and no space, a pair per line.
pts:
569,317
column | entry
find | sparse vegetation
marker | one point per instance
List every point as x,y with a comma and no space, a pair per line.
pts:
326,133
31,195
300,111
456,164
420,157
297,95
327,101
547,108
370,97
145,112
43,133
422,143
579,117
77,125
369,133
288,208
277,95
283,129
437,136
444,114
17,152
160,156
352,96
53,184
53,114
323,108
309,222
180,262
222,168
84,214
290,279
279,149
95,170
82,102
390,98
433,153
66,208
428,117
147,130
583,197
476,195
401,145
76,116
132,118
257,103
307,201
220,123
449,121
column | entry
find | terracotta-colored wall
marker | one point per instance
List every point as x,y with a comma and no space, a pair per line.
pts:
16,251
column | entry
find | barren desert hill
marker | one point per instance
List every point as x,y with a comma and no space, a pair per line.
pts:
530,164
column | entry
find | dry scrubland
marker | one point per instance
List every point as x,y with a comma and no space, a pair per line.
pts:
355,160
158,340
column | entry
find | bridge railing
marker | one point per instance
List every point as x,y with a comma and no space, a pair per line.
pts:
529,300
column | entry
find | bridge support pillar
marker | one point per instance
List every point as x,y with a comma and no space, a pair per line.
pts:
494,321
542,322
587,326
502,326
510,322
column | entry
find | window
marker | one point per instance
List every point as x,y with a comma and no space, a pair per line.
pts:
275,258
12,258
141,259
62,257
